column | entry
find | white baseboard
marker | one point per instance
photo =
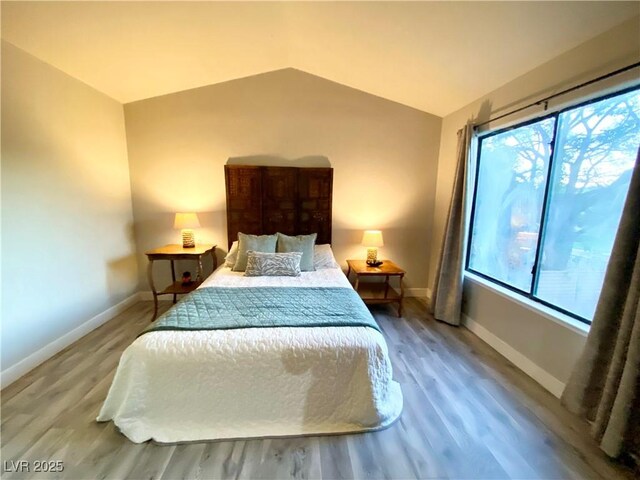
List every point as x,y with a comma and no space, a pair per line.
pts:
417,292
146,295
536,372
14,372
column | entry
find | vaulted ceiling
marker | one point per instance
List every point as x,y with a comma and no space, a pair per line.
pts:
434,56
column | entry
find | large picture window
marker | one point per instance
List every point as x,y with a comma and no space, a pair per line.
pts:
548,199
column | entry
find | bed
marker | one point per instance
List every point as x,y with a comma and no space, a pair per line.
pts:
289,379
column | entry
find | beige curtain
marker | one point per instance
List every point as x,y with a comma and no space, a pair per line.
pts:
446,298
605,384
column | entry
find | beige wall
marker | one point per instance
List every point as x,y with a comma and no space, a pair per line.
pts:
67,246
384,157
547,344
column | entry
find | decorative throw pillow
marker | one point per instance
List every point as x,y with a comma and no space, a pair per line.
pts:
256,243
323,257
230,259
273,264
299,243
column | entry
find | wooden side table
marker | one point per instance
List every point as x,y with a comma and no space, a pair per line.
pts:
378,292
175,252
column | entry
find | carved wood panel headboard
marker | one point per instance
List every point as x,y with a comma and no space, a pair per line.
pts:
290,200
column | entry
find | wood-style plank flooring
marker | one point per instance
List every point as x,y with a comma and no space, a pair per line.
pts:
468,413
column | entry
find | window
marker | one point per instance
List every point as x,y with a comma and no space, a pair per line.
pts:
548,198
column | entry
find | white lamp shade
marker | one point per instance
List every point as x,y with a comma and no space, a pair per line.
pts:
372,238
186,220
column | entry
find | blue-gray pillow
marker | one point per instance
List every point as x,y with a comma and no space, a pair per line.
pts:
299,243
256,243
273,264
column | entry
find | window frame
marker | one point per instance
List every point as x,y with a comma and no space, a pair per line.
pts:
545,202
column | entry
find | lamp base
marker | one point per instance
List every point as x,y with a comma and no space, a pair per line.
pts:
188,240
372,257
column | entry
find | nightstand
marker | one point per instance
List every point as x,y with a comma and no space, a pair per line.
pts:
377,292
172,253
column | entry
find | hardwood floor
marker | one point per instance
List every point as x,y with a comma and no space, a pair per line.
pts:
468,413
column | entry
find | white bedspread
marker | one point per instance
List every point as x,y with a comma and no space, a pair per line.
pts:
174,386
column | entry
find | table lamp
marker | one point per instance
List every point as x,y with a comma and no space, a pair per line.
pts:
185,222
372,239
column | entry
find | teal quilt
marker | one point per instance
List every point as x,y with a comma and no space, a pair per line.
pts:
219,308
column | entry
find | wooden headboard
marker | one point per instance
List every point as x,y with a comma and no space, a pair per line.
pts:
290,200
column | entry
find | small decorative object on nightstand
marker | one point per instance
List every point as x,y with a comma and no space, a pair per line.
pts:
173,253
372,239
377,292
186,222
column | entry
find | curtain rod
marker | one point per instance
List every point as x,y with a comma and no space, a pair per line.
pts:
563,92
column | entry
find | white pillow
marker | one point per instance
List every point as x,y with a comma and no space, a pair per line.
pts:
323,257
230,259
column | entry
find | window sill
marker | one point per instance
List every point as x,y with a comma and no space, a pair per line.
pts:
553,315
